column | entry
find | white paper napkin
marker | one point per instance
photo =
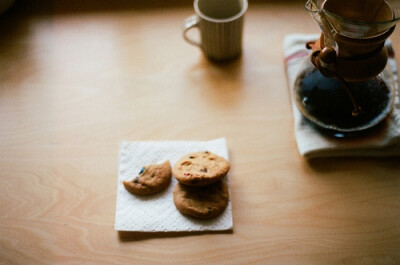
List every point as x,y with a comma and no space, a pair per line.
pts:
157,213
310,142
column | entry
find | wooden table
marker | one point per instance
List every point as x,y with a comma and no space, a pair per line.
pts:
79,77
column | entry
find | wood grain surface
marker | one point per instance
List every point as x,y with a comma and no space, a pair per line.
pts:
79,77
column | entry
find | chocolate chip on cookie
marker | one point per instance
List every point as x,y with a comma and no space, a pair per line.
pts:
200,168
202,202
151,179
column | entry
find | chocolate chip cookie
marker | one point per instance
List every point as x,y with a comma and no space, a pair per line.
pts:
202,202
200,168
152,179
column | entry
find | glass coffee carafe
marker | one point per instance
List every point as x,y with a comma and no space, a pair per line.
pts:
348,86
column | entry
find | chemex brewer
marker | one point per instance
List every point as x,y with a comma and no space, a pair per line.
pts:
349,86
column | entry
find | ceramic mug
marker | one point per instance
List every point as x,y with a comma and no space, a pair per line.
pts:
221,27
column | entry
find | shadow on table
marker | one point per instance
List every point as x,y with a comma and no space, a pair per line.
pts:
139,236
219,83
15,32
74,6
30,7
349,164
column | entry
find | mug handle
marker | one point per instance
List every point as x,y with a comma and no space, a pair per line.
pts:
189,23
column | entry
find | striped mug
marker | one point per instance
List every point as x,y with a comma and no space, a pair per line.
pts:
221,27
